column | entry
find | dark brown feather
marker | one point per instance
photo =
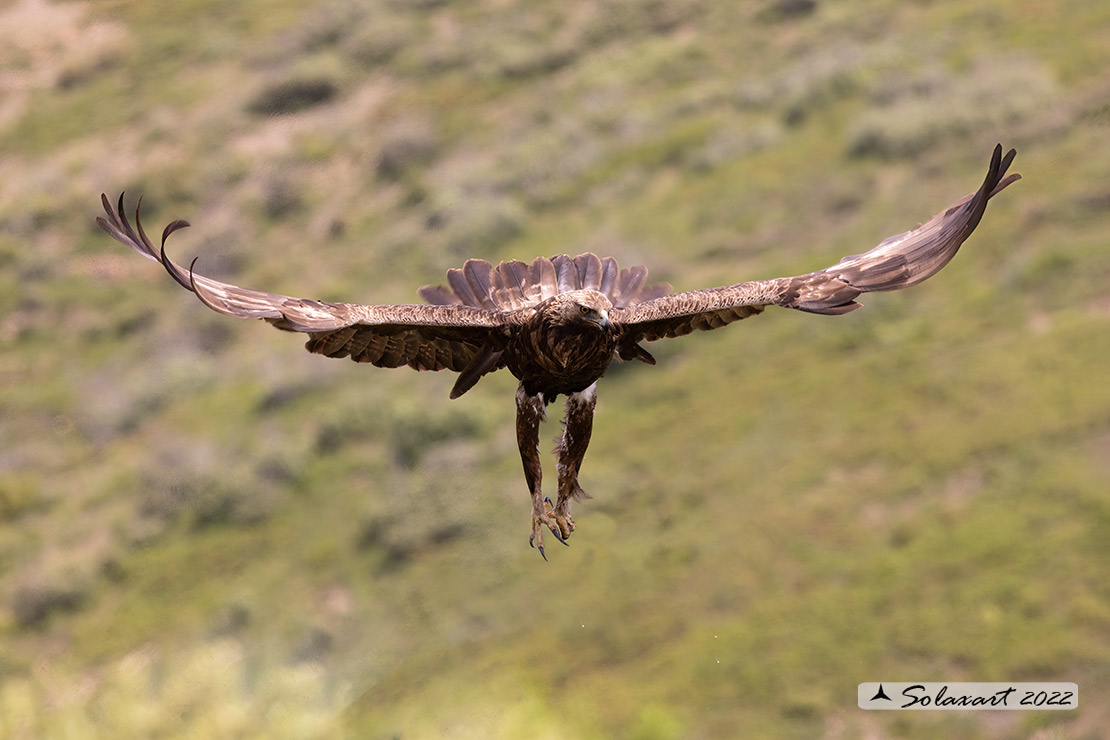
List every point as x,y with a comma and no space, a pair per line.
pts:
557,323
491,317
433,337
897,262
512,286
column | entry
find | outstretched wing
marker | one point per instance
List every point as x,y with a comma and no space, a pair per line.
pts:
460,338
898,262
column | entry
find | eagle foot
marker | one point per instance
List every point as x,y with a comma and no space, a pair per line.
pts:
560,523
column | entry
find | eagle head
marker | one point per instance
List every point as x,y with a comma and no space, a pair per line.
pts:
580,308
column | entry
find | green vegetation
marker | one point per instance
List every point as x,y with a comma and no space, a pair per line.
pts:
207,532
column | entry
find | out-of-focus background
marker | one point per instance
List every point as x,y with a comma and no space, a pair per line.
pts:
207,532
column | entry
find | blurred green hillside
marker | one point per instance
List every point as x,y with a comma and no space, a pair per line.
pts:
206,532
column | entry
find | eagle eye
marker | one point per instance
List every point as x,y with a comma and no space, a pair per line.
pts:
585,310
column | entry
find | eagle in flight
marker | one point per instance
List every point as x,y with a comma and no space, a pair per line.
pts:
558,322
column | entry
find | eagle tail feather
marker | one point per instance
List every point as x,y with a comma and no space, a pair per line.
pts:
514,285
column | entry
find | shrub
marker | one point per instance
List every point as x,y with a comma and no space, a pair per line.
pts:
18,494
475,220
379,41
783,10
36,599
407,144
281,197
915,113
202,487
414,435
292,96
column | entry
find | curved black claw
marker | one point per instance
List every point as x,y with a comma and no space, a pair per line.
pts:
557,524
532,544
554,527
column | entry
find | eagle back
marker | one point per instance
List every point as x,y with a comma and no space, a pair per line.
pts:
514,285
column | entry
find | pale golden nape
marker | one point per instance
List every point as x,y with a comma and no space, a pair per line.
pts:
581,307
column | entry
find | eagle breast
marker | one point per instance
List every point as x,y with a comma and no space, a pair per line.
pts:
566,346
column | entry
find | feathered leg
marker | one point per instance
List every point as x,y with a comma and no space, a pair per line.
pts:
570,449
529,413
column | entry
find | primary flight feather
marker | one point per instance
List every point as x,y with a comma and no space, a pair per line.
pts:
558,322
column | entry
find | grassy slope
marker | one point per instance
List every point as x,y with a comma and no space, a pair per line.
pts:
206,532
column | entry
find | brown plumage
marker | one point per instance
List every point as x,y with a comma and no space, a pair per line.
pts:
557,323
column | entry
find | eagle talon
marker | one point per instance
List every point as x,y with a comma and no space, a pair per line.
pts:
535,539
560,525
532,543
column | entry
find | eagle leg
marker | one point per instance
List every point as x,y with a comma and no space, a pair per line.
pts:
530,411
570,449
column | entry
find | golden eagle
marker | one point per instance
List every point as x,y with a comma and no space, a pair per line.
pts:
557,323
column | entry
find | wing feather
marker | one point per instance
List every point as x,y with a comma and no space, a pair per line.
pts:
897,262
510,285
425,337
456,278
542,275
439,295
566,273
477,274
357,344
513,285
629,284
589,270
609,274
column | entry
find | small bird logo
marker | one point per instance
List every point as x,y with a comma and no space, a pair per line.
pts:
880,694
